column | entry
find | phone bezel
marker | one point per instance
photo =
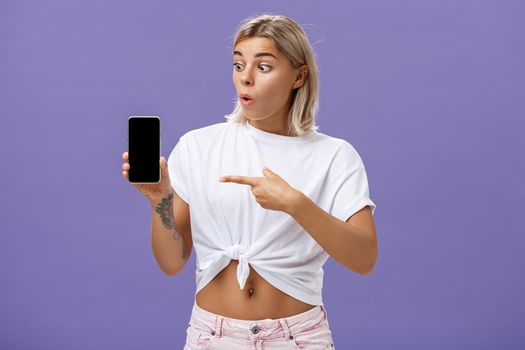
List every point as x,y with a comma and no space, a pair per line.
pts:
160,144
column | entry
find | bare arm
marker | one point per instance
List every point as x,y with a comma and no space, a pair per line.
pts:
353,243
171,240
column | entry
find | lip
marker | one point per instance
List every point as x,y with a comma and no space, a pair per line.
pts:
245,95
246,102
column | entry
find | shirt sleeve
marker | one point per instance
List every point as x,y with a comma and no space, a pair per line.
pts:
177,169
350,183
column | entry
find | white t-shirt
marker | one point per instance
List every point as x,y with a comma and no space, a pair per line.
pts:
228,223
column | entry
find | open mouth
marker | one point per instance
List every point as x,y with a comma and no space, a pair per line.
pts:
246,101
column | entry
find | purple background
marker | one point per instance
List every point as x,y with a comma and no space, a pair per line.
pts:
430,94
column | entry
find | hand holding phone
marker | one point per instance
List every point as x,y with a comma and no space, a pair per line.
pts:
146,169
156,191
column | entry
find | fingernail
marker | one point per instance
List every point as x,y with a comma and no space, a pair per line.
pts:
221,179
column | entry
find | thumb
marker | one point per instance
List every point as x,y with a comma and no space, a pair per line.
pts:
269,173
164,168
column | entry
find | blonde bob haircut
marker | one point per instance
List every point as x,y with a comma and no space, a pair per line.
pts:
291,40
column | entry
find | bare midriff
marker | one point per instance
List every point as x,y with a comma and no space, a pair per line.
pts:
258,300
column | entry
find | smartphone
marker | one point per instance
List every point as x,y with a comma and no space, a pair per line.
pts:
144,149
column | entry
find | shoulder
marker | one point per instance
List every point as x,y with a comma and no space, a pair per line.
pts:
207,138
340,153
337,146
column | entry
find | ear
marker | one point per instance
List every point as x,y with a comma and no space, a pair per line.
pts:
301,76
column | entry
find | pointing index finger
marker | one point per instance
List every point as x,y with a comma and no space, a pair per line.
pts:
244,180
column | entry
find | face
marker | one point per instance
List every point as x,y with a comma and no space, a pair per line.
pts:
268,76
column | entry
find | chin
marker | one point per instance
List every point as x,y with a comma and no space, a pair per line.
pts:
252,117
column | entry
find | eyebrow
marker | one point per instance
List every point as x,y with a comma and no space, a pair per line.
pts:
260,54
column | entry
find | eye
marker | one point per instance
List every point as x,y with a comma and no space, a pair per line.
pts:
235,65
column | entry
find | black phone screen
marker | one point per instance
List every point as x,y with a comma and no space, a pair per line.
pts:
144,149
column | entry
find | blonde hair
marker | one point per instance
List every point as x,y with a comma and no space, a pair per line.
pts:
290,39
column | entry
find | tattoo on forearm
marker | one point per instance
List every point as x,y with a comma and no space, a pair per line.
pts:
165,210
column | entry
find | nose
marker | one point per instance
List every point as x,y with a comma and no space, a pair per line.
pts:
246,77
246,80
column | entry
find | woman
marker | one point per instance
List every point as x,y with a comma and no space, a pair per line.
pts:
261,239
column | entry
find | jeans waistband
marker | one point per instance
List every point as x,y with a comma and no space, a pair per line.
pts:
219,326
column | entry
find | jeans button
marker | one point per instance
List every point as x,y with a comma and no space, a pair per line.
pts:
255,329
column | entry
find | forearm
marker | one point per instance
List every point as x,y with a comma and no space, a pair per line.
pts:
345,243
167,242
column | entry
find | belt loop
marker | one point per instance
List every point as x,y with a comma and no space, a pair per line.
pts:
286,329
324,311
325,315
218,325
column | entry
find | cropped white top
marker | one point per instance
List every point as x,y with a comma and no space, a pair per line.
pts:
227,222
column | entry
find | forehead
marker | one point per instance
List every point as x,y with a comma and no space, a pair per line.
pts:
252,46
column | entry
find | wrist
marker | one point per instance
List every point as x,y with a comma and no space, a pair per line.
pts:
155,201
296,200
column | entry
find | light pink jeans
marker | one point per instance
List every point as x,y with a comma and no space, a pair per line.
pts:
308,330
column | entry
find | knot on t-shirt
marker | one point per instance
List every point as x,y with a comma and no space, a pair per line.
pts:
235,251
